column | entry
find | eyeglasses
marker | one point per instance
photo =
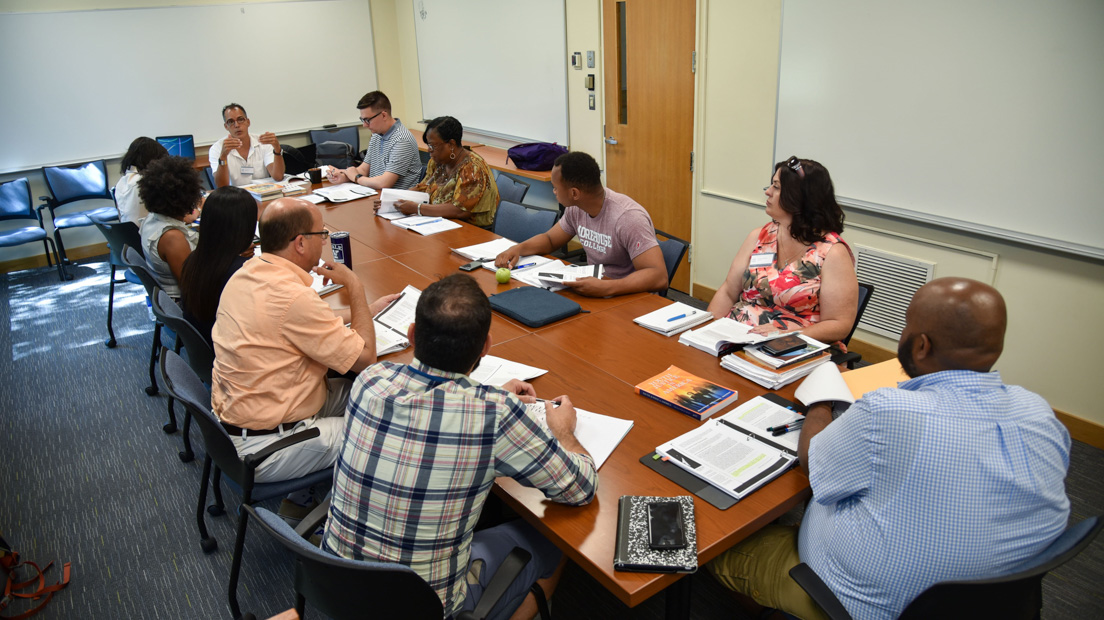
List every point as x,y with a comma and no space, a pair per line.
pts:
795,164
370,118
241,120
325,234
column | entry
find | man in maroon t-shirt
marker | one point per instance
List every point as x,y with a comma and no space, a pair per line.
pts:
614,230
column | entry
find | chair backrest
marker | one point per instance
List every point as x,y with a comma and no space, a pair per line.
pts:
179,146
1018,595
348,135
511,189
422,173
865,291
517,222
118,235
341,588
137,263
77,182
183,383
209,175
15,200
200,355
673,250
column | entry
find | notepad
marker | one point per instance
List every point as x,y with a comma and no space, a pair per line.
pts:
485,251
344,192
497,371
673,319
425,224
598,433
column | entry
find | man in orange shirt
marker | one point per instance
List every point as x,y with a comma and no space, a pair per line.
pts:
276,339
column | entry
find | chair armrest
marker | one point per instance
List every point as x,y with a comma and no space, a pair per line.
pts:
311,522
505,575
850,358
809,581
253,460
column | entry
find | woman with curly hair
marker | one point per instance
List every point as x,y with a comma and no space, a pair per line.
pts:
171,191
795,273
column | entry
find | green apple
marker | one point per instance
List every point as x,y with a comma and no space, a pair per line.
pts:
502,275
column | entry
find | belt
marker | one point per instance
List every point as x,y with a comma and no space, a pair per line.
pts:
237,431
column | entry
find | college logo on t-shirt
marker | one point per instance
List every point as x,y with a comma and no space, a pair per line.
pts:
594,240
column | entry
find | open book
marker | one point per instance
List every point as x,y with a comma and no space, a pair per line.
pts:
388,198
392,322
735,452
720,336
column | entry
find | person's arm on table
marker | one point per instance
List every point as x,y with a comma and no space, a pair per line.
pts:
538,244
650,274
276,166
444,209
729,292
347,175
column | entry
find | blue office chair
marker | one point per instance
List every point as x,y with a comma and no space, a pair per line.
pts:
178,146
15,204
348,135
510,189
1011,597
201,357
181,381
851,358
518,222
673,250
118,235
71,184
339,587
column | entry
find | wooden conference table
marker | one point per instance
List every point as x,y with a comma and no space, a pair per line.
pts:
595,358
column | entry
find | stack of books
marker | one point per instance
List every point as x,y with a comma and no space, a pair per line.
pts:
673,319
294,190
264,192
773,372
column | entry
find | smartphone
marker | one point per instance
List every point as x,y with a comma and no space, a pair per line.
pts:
785,344
665,526
472,266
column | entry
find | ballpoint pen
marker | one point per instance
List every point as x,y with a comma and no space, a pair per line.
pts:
524,266
785,428
681,316
427,222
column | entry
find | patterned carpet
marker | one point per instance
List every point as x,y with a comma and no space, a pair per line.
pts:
88,476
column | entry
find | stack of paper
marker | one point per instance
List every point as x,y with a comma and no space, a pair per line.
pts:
389,196
485,251
675,318
345,192
392,322
425,224
497,371
719,335
598,433
771,378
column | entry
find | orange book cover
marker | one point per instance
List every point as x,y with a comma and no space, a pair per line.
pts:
687,393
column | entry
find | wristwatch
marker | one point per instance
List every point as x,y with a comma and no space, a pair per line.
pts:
357,179
222,162
278,153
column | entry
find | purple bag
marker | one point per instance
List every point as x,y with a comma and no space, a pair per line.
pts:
535,155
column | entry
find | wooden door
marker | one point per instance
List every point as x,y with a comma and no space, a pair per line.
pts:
649,95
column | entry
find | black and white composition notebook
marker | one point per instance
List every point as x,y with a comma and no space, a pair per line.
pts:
633,552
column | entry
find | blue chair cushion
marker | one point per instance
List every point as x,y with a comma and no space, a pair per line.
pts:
20,236
83,218
280,488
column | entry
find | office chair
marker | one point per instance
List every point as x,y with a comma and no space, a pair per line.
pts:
15,204
851,358
71,184
510,189
209,176
137,263
349,135
118,235
182,381
1011,597
178,146
518,222
339,587
201,357
673,250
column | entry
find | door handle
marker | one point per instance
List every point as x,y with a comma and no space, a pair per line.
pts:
611,140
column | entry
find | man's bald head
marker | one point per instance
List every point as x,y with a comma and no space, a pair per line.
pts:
283,219
953,324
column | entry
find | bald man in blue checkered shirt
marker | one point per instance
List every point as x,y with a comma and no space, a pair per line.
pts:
952,475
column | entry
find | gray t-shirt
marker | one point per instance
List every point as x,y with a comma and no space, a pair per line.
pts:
621,232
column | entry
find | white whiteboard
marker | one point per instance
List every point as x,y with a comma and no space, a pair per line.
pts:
81,85
498,66
982,115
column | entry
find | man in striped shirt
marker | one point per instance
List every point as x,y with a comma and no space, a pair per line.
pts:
392,159
423,444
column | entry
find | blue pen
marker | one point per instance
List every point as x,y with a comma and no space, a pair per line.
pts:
524,266
429,222
681,316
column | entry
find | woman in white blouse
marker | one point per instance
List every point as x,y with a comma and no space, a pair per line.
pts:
141,152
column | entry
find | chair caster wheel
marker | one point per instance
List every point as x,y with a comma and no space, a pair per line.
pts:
186,457
169,428
208,545
110,343
151,390
215,510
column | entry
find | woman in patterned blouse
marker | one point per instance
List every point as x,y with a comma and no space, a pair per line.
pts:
796,272
459,183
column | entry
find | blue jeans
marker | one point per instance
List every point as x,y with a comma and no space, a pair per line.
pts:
492,545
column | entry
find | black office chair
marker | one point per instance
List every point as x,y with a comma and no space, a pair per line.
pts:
178,146
338,587
182,381
118,235
348,135
15,204
201,358
1011,597
72,184
851,358
510,189
673,250
136,261
518,222
209,176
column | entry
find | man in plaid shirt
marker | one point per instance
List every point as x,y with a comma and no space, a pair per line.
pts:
423,444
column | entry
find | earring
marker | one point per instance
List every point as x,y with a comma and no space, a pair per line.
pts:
452,155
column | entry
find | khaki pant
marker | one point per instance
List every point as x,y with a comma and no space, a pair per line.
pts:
759,567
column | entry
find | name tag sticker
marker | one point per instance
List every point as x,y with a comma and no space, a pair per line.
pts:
764,259
247,170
